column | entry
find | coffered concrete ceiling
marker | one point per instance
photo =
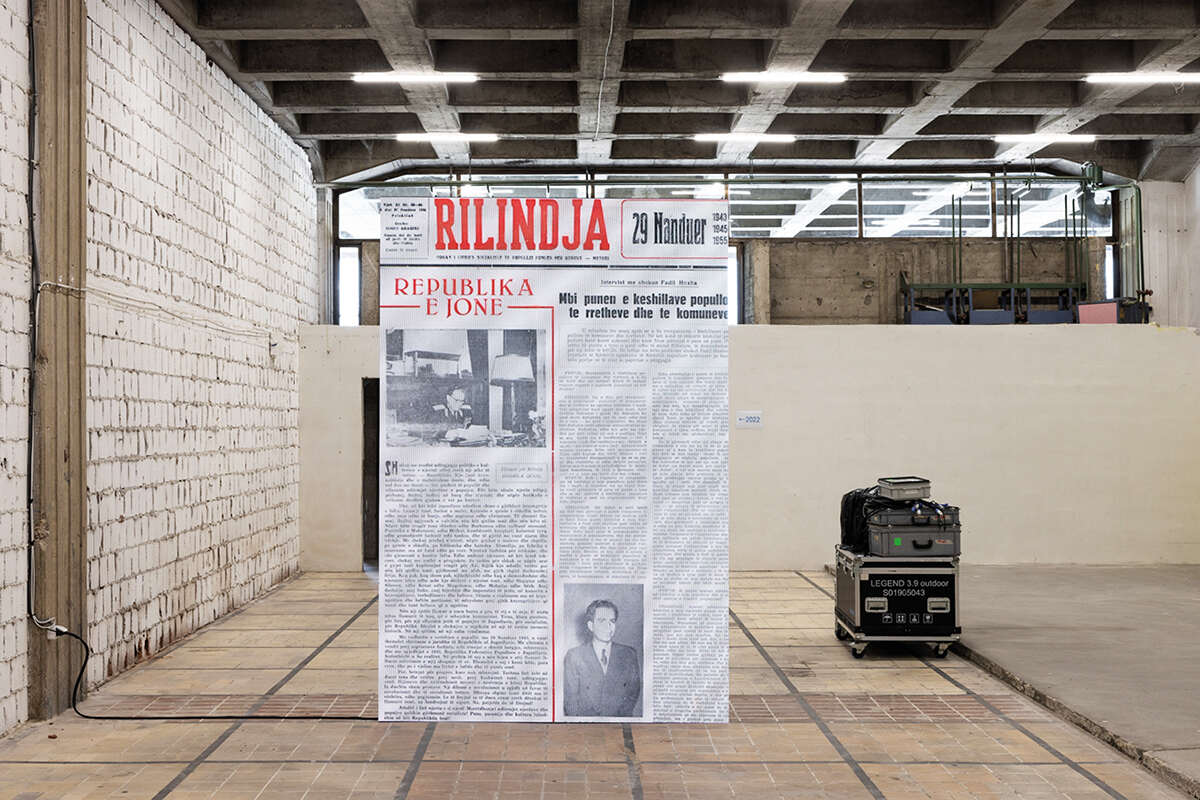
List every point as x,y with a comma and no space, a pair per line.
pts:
625,84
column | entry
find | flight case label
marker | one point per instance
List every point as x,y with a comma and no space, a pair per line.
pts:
893,586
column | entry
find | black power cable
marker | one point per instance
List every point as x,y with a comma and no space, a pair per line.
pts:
34,270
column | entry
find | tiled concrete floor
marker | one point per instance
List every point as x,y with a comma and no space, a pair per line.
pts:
806,721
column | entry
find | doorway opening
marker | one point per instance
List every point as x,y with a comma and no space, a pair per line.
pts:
370,475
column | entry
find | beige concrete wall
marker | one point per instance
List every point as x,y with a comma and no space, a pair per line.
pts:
1061,443
333,362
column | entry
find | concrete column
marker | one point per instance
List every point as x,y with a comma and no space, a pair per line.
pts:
759,259
60,442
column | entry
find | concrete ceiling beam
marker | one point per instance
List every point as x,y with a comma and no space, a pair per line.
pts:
678,122
928,84
890,55
663,149
947,149
897,95
1098,99
682,94
406,50
260,15
520,14
358,125
603,32
368,160
300,96
811,23
285,56
521,94
1035,94
821,148
526,149
1141,125
840,124
980,124
672,14
932,15
1095,15
1018,22
1168,163
521,124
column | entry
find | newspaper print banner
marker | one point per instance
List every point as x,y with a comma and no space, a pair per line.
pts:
553,494
576,232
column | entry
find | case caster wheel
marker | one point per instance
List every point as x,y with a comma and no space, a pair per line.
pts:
941,650
858,652
840,633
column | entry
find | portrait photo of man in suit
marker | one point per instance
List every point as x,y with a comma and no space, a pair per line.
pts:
602,678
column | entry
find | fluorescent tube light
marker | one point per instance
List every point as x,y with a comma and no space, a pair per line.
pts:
1144,77
1045,138
783,76
415,77
708,193
744,137
446,137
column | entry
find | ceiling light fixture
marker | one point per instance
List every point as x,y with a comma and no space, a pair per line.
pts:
744,137
1144,77
783,76
415,77
446,137
1045,138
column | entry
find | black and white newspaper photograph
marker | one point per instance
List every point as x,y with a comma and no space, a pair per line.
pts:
466,388
604,648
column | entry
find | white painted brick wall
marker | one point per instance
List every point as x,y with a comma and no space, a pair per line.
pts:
200,204
14,357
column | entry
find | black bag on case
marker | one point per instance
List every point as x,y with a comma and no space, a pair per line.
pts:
854,518
862,505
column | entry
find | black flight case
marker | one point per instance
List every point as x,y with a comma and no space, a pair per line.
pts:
896,599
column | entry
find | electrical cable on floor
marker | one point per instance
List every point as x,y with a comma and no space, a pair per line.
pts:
59,630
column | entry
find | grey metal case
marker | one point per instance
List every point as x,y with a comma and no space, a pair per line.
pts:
914,541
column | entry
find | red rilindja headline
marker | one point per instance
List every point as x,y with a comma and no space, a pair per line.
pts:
529,224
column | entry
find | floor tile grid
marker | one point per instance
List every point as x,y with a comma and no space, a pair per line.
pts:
263,702
602,774
858,771
1094,779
